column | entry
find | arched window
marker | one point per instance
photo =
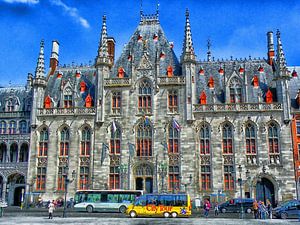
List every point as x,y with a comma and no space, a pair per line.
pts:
273,139
116,102
173,142
84,177
173,101
227,139
12,127
250,143
204,140
64,142
114,177
23,157
10,105
145,97
85,146
43,143
144,138
3,152
115,139
68,98
2,127
41,178
23,127
235,90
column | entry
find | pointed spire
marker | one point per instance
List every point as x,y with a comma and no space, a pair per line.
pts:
40,67
188,49
103,48
281,62
208,50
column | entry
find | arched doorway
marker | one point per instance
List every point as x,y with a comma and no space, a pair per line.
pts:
15,189
144,178
265,190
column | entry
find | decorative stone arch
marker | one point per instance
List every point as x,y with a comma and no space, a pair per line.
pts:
143,169
14,151
24,153
16,184
272,179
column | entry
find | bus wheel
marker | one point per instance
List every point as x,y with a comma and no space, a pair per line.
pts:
89,209
174,214
223,210
166,214
248,210
132,214
122,209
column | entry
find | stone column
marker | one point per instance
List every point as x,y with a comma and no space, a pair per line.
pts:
4,190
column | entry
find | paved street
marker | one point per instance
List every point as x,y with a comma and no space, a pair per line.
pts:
137,221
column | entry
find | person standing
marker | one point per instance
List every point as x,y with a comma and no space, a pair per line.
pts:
216,209
206,208
51,209
197,204
269,208
255,209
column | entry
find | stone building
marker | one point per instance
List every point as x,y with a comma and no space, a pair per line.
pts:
154,122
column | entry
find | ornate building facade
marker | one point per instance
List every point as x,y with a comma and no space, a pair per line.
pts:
154,122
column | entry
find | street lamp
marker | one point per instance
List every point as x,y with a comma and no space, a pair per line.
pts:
249,182
162,170
123,172
240,181
188,183
67,181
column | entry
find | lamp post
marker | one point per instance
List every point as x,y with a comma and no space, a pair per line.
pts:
240,181
162,170
67,181
123,172
188,183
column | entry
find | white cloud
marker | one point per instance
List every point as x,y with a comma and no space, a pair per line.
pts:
73,12
22,1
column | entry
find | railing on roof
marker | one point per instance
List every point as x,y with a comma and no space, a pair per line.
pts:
66,111
117,82
171,81
238,107
17,114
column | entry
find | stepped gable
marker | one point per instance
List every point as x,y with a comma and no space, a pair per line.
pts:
231,69
147,43
294,86
19,95
55,86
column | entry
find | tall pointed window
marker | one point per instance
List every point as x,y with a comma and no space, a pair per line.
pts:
64,142
144,138
205,177
251,143
115,139
68,98
10,106
43,143
41,178
228,177
235,90
23,127
84,178
85,147
173,180
145,97
173,142
227,139
204,139
2,127
273,139
12,127
173,101
62,171
116,102
114,177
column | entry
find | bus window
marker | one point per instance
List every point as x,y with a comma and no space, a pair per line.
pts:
93,197
152,199
112,198
103,197
126,198
140,201
167,200
180,200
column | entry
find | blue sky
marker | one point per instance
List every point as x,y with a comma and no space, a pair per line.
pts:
236,28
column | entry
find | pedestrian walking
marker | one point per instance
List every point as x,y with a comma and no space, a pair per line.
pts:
255,209
51,209
206,208
269,208
216,209
197,204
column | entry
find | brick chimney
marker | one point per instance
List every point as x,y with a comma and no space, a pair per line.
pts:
271,51
111,50
54,57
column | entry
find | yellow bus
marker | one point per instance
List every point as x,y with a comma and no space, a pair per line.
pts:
161,205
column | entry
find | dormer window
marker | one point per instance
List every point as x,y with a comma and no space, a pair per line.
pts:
261,69
235,90
170,71
211,83
201,71
47,102
294,73
82,86
162,55
121,72
155,37
140,38
203,98
269,96
68,103
221,71
10,106
255,81
88,101
59,75
241,70
78,74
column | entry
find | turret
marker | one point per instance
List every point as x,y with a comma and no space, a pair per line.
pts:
208,51
54,57
188,60
102,65
280,61
40,67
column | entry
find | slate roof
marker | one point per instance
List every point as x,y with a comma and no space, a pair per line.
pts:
294,86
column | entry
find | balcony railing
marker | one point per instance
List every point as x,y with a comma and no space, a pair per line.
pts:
13,165
171,81
238,107
66,111
15,136
117,82
15,114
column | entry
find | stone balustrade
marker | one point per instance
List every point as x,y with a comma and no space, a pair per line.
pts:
117,82
171,81
14,114
66,111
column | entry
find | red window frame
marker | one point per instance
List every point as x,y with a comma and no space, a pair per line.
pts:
173,179
228,178
84,178
41,178
116,102
173,101
114,178
205,177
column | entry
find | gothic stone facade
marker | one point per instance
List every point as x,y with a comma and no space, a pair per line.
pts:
150,121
